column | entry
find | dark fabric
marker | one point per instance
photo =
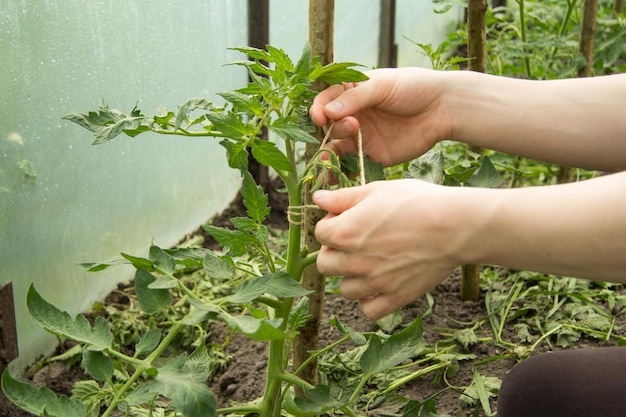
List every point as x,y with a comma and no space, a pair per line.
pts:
570,383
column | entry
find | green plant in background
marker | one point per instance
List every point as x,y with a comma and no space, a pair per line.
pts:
266,301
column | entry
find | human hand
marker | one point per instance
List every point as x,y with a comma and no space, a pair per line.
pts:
391,241
399,112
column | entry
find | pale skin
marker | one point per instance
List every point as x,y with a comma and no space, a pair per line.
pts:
393,241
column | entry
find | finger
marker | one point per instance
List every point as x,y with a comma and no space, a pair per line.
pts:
338,201
379,306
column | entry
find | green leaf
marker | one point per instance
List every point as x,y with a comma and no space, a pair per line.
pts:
486,176
162,260
148,342
425,409
356,337
150,300
245,103
250,290
230,124
139,263
428,167
60,323
299,315
269,155
38,401
248,225
257,329
337,73
290,130
282,286
254,53
98,365
188,106
400,346
101,266
183,380
218,268
236,241
323,398
237,154
254,198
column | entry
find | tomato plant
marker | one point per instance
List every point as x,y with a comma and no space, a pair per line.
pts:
268,302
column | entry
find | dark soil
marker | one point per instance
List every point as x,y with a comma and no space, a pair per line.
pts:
243,378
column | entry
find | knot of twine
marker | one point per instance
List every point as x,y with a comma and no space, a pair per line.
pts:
294,213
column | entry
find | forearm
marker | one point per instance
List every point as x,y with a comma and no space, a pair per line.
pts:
576,122
574,230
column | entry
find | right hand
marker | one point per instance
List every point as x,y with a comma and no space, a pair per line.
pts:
399,112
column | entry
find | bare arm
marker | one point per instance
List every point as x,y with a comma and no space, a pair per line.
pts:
394,240
404,112
576,122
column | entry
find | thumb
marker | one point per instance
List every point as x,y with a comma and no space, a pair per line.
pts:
338,201
355,98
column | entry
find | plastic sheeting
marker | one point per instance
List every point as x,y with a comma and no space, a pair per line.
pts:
63,201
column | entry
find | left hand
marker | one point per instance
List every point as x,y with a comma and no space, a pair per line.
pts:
391,241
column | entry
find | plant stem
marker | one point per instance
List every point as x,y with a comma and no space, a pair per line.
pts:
522,23
143,367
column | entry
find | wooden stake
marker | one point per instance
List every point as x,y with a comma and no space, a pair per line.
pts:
477,53
321,28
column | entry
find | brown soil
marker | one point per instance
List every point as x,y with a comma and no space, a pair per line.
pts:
243,378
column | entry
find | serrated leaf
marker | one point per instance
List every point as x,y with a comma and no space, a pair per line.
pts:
188,106
139,263
323,398
101,266
266,153
230,124
235,240
356,337
60,323
237,154
257,329
299,315
244,103
337,73
282,286
162,259
397,348
218,268
254,53
132,126
39,400
486,176
289,130
250,290
183,380
150,300
254,198
248,225
98,365
148,342
428,167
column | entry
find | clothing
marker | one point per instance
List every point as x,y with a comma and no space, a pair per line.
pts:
569,383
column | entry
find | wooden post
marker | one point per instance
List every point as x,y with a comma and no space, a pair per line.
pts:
585,48
258,37
477,54
8,327
321,28
387,48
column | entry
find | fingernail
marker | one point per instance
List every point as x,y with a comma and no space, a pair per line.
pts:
320,195
334,107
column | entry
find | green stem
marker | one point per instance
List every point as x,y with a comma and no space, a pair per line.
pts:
522,22
143,367
417,374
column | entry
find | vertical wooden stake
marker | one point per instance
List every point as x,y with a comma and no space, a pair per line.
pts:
321,28
477,53
585,47
8,327
387,48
